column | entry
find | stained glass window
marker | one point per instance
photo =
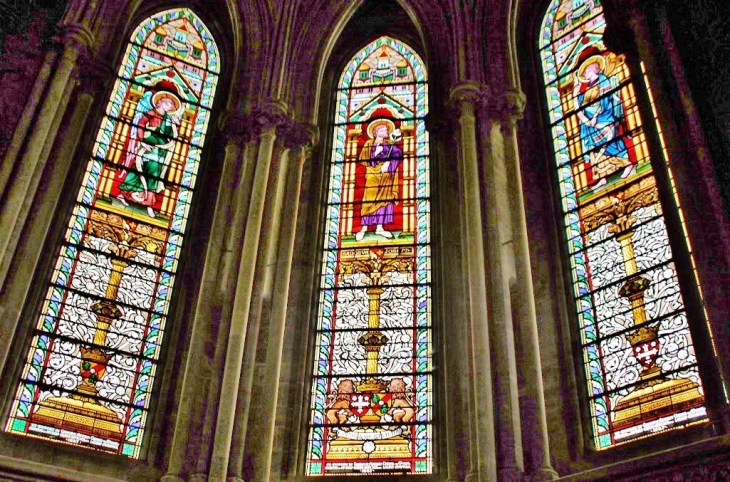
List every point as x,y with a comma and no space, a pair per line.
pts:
94,354
371,386
638,356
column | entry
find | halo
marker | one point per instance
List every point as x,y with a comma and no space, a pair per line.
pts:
599,59
163,94
380,122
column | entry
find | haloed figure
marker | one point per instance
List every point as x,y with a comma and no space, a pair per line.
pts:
381,157
150,148
601,116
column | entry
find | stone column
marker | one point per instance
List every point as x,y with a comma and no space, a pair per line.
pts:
66,155
24,123
451,328
534,415
267,123
193,384
14,212
226,283
300,144
500,261
483,465
263,286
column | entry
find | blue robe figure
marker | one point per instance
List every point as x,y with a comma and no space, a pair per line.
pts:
601,116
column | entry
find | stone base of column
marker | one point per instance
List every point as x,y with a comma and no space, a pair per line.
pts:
545,473
511,475
235,479
171,478
198,478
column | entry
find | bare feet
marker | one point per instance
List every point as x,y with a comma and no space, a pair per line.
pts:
383,232
629,169
600,183
150,212
361,234
121,199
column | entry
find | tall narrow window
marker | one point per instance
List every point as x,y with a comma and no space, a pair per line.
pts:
639,360
371,386
94,355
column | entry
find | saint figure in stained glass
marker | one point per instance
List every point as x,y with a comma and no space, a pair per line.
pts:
150,145
602,124
381,158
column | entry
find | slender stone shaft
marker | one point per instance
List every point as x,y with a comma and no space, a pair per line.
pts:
525,310
35,156
484,457
241,309
275,353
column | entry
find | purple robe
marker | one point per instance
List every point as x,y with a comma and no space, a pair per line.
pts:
381,188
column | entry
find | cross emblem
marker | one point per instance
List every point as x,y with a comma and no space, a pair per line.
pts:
359,404
646,352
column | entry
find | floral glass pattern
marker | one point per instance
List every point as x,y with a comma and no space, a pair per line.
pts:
371,388
637,350
90,370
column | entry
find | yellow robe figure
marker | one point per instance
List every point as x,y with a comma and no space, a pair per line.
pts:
381,181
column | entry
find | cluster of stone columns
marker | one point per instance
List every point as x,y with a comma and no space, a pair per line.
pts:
42,147
244,293
247,282
499,292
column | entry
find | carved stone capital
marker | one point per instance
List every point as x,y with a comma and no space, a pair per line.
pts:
465,96
249,126
76,39
505,106
298,134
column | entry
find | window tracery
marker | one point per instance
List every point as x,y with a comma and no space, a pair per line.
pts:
89,373
371,399
638,354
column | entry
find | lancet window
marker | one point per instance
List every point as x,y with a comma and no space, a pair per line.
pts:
93,357
371,398
637,351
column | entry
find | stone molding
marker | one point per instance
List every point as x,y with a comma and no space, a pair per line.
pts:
465,96
75,39
247,127
505,106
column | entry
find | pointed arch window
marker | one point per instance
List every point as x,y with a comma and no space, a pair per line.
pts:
371,399
637,351
88,376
